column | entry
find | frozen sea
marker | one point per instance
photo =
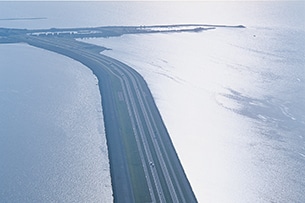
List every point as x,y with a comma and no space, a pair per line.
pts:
234,107
232,99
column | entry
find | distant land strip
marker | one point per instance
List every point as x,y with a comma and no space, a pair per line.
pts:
108,31
34,18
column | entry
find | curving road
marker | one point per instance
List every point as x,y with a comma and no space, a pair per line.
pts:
143,161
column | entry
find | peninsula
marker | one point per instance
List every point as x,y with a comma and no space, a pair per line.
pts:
144,165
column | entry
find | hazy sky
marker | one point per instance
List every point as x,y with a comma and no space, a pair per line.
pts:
156,0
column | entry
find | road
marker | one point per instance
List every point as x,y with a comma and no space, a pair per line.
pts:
144,164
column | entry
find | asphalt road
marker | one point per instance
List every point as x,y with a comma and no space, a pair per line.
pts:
134,128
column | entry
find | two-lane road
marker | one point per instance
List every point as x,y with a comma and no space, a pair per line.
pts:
144,164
